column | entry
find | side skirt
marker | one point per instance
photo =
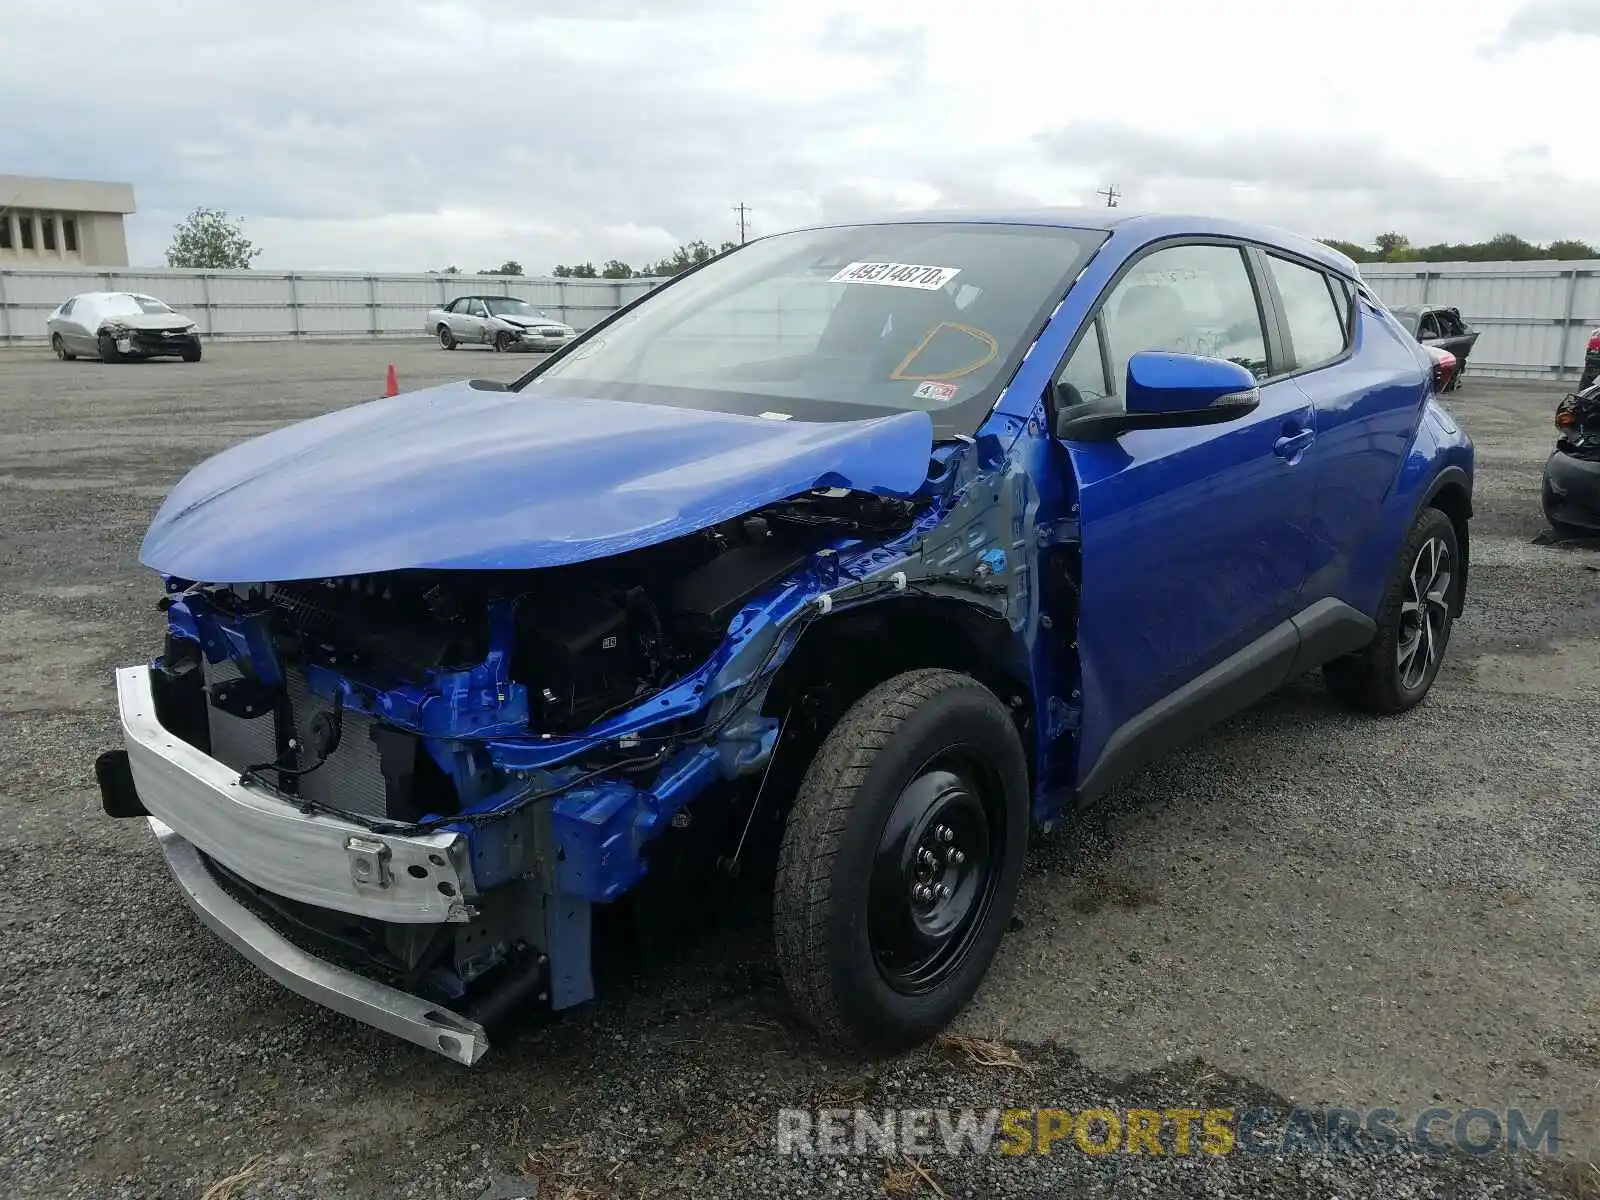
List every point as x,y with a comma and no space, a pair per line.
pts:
1315,635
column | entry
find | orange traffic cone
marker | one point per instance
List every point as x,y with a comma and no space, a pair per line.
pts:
391,386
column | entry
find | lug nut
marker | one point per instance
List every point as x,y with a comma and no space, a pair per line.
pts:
925,857
955,858
922,893
944,834
944,891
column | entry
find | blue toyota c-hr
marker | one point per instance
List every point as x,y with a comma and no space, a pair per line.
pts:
857,552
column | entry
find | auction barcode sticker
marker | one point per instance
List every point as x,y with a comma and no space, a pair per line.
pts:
912,275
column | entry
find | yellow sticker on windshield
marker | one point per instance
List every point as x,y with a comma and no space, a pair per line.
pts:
911,275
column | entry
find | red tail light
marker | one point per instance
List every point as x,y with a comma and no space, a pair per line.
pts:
1594,341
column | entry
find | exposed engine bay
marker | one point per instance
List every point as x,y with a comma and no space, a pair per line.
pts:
561,649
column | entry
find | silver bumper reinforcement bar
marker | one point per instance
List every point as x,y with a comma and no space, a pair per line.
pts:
376,1004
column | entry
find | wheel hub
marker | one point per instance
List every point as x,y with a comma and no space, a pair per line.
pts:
931,879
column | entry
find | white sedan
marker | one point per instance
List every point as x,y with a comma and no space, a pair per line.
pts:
504,322
116,325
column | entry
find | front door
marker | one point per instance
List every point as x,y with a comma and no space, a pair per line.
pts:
1195,542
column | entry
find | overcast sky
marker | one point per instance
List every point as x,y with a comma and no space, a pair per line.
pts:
396,135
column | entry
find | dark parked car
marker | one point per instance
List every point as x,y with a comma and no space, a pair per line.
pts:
1591,361
842,561
1440,325
1572,472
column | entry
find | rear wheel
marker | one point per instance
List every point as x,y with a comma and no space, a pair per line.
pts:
108,348
1398,668
60,348
446,338
901,860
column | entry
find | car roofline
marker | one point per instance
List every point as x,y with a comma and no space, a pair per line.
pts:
1143,226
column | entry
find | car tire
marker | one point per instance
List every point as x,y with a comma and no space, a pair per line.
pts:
60,348
447,340
191,352
906,839
1415,618
504,340
108,348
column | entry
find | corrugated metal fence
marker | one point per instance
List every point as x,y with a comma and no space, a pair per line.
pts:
1534,317
240,305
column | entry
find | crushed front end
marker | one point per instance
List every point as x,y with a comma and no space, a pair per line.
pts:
403,794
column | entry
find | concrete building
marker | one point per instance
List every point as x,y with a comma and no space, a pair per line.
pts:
63,222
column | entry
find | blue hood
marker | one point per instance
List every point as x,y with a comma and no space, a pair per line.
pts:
455,477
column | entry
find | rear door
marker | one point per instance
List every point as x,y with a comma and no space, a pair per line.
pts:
1195,542
1368,404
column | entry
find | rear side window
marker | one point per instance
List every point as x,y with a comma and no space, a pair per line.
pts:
1316,325
66,309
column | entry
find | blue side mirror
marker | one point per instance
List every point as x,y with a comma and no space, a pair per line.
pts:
1164,391
1161,384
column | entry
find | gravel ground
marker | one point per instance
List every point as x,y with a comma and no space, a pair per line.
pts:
1304,908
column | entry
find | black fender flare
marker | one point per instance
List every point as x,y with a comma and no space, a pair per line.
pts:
1454,476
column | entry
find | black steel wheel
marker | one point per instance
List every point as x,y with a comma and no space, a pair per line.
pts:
447,340
60,348
1397,669
901,860
504,341
108,348
933,875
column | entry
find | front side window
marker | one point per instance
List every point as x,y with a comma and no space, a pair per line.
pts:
1315,325
837,323
1085,371
1186,300
66,309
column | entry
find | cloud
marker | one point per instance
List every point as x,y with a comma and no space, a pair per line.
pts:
1545,20
374,135
1334,186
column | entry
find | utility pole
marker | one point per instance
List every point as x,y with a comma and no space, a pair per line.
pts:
741,210
1111,194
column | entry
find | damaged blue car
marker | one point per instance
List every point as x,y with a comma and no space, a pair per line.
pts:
878,544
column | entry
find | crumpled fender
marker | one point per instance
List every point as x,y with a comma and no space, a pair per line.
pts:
455,477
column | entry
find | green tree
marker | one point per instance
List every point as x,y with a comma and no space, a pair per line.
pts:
1350,250
209,239
510,267
451,271
689,255
1571,248
616,269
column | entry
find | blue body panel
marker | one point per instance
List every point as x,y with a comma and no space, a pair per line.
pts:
456,477
1124,569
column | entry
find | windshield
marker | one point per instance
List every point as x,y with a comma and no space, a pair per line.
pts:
840,323
512,307
125,305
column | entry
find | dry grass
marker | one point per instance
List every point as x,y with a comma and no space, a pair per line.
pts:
224,1189
984,1052
1578,1180
906,1180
